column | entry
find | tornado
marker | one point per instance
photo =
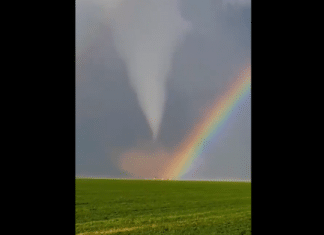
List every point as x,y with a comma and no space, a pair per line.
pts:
146,34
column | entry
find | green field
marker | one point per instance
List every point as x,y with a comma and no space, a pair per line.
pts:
106,206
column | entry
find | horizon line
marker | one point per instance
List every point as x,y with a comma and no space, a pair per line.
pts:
162,179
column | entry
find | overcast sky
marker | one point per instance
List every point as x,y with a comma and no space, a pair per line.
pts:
215,41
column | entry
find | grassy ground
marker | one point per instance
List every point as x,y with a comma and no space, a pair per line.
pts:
123,207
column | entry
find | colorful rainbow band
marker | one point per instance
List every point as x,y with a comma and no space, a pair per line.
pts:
210,126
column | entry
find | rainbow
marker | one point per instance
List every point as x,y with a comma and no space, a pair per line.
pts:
212,123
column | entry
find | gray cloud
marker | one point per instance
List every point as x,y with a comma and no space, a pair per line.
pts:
108,115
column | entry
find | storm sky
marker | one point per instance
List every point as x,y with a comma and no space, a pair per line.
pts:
207,46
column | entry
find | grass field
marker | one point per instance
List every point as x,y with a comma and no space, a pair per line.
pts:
106,206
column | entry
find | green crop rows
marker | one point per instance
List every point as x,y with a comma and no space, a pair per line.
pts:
106,206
